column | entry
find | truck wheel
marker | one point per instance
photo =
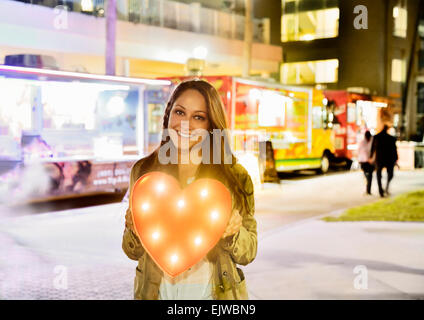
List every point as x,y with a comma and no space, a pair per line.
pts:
348,164
325,164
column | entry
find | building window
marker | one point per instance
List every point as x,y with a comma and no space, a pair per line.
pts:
421,43
398,70
420,96
420,112
310,72
400,16
305,20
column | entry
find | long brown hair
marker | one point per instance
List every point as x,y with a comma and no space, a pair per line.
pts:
217,120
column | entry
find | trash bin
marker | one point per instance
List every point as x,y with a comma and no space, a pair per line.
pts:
406,154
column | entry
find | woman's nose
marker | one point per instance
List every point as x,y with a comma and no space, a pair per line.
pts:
186,124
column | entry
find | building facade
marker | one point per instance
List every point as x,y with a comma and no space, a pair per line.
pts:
370,46
154,38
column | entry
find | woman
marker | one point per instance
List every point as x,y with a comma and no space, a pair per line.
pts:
364,151
195,106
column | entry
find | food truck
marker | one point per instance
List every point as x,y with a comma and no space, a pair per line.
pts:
355,113
66,134
293,123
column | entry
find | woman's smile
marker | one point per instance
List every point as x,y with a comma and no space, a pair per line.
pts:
185,135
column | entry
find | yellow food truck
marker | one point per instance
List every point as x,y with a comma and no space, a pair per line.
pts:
294,122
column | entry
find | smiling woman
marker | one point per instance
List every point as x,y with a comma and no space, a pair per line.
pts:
188,116
195,106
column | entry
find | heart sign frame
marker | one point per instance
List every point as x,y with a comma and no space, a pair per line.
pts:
178,227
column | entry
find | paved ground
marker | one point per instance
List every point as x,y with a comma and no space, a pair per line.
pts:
296,200
317,260
313,259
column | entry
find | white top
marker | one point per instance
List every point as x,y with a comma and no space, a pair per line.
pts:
193,284
364,150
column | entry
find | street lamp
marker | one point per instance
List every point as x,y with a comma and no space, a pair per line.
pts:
196,64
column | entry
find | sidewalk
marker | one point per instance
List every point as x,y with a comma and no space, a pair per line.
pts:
311,259
86,242
299,256
316,260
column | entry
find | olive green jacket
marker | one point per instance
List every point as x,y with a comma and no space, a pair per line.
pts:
227,280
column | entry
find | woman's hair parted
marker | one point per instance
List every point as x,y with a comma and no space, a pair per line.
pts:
217,120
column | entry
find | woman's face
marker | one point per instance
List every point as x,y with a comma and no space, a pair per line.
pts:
188,114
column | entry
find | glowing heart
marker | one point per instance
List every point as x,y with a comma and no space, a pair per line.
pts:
178,227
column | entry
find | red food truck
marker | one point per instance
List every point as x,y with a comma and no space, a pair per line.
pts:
354,113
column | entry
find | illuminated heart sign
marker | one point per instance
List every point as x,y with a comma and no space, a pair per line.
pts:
179,227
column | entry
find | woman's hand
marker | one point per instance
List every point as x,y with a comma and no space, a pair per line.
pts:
234,224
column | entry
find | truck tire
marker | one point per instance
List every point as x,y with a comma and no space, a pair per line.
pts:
325,164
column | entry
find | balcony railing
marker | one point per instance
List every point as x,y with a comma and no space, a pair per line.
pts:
170,14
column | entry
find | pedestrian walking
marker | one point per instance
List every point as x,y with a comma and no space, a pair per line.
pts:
364,158
216,277
384,155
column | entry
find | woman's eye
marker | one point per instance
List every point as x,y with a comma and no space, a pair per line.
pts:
199,118
179,112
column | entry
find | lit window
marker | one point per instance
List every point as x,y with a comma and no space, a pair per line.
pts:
400,16
326,71
398,70
87,5
310,72
304,20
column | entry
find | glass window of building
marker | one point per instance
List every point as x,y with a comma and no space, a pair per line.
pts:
398,70
310,72
305,20
400,16
420,97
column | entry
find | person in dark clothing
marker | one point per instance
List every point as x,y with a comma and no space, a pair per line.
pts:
384,153
364,154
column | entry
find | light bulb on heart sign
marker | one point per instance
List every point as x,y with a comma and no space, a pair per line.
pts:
191,220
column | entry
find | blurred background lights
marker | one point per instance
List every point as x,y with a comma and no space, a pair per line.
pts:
395,12
200,52
255,94
156,235
115,106
145,206
87,5
307,37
